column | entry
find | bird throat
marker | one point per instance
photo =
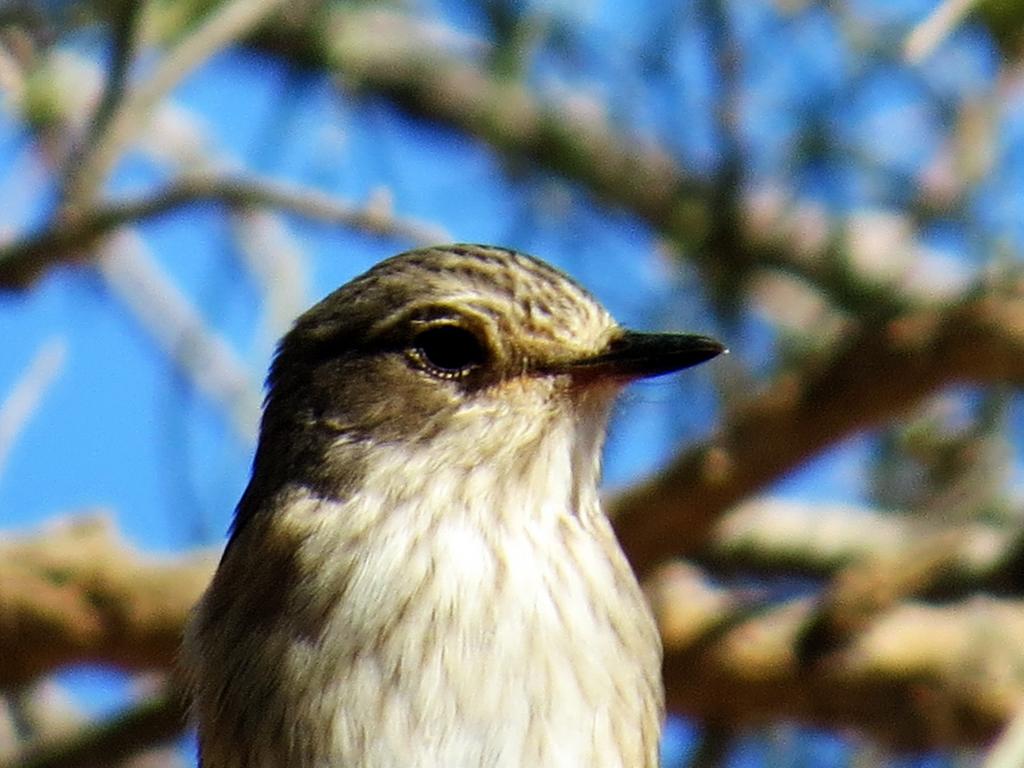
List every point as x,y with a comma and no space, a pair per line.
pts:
473,594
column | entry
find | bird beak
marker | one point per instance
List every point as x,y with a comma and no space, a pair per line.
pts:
644,355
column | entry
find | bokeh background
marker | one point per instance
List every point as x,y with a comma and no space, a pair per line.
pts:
827,521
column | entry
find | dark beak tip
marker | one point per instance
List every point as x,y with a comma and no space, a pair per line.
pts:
712,347
716,348
700,349
646,355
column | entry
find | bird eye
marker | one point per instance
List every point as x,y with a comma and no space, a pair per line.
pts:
448,351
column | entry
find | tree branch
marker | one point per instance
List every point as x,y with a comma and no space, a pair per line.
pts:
919,677
782,537
125,22
229,21
392,54
171,319
78,594
22,402
155,720
23,261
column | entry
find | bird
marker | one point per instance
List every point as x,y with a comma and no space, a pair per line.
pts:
419,573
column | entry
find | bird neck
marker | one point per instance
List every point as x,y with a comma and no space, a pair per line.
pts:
460,604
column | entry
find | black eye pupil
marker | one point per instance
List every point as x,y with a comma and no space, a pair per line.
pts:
449,349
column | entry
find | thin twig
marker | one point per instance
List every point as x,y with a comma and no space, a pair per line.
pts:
230,21
394,55
25,260
280,266
125,28
166,313
929,34
25,397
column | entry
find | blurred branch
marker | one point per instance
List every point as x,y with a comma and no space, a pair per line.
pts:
157,719
714,743
726,192
937,26
867,378
392,54
78,593
42,709
229,21
1008,751
125,37
728,661
783,537
125,21
25,397
278,263
865,590
23,261
178,328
